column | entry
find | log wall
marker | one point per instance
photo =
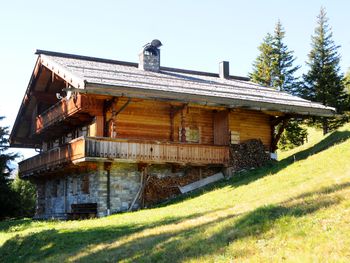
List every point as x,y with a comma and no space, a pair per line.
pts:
251,125
141,119
155,120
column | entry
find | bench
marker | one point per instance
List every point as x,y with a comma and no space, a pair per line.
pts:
82,211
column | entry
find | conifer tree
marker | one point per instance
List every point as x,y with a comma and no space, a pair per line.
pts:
7,196
274,67
323,82
347,82
262,66
282,64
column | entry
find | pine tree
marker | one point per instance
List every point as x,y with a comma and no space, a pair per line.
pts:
282,64
323,82
274,67
347,91
262,66
7,196
347,82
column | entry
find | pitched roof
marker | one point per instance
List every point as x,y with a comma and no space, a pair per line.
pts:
103,76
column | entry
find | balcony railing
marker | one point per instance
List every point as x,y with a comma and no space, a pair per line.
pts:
66,108
107,149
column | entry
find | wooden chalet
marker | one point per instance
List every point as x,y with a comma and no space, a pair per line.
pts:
104,127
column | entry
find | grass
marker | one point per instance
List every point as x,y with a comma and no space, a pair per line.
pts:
294,210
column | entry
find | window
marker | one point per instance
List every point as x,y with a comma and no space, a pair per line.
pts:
54,188
75,186
192,134
85,184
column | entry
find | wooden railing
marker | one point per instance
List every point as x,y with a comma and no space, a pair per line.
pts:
157,152
53,158
103,149
66,108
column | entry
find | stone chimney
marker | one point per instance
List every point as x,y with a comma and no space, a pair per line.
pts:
224,70
149,58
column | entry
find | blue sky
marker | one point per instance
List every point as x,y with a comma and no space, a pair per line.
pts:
195,34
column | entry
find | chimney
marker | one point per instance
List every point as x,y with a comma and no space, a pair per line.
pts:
224,71
149,58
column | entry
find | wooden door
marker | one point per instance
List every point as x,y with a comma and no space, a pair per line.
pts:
221,131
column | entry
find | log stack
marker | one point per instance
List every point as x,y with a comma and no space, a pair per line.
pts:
160,189
248,155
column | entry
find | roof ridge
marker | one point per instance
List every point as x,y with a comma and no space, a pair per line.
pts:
132,64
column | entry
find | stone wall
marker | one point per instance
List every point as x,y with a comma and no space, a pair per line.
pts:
56,195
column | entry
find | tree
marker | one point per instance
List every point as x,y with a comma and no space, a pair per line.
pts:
274,67
7,196
323,82
25,192
347,82
294,135
262,66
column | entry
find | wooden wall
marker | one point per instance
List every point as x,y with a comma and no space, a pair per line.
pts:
142,119
197,118
251,125
163,121
156,120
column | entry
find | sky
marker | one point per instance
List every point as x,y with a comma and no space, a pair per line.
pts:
196,34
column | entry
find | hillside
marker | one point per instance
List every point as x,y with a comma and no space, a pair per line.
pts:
297,210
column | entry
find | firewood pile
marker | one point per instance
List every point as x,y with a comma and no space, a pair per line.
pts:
160,189
248,155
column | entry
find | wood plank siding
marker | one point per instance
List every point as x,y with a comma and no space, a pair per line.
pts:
251,125
155,120
107,149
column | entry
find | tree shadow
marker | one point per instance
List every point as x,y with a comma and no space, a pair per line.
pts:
273,167
191,243
13,225
47,243
173,243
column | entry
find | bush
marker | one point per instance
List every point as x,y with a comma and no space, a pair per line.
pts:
25,193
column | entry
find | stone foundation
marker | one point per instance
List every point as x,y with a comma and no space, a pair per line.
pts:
55,195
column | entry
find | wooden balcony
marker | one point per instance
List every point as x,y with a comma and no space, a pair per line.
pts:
74,110
106,150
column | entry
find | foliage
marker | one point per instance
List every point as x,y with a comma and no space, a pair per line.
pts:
274,68
274,65
347,89
262,66
7,196
324,82
293,136
347,82
294,210
25,192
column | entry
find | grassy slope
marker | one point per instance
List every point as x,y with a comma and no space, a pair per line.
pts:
296,211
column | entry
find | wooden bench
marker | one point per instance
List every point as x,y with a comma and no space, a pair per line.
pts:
83,211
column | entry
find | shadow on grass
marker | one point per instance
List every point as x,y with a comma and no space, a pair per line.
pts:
172,240
15,224
272,167
47,243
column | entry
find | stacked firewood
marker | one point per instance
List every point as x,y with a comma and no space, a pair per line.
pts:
248,155
160,189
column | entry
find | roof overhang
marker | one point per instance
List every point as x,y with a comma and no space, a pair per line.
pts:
136,92
24,116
